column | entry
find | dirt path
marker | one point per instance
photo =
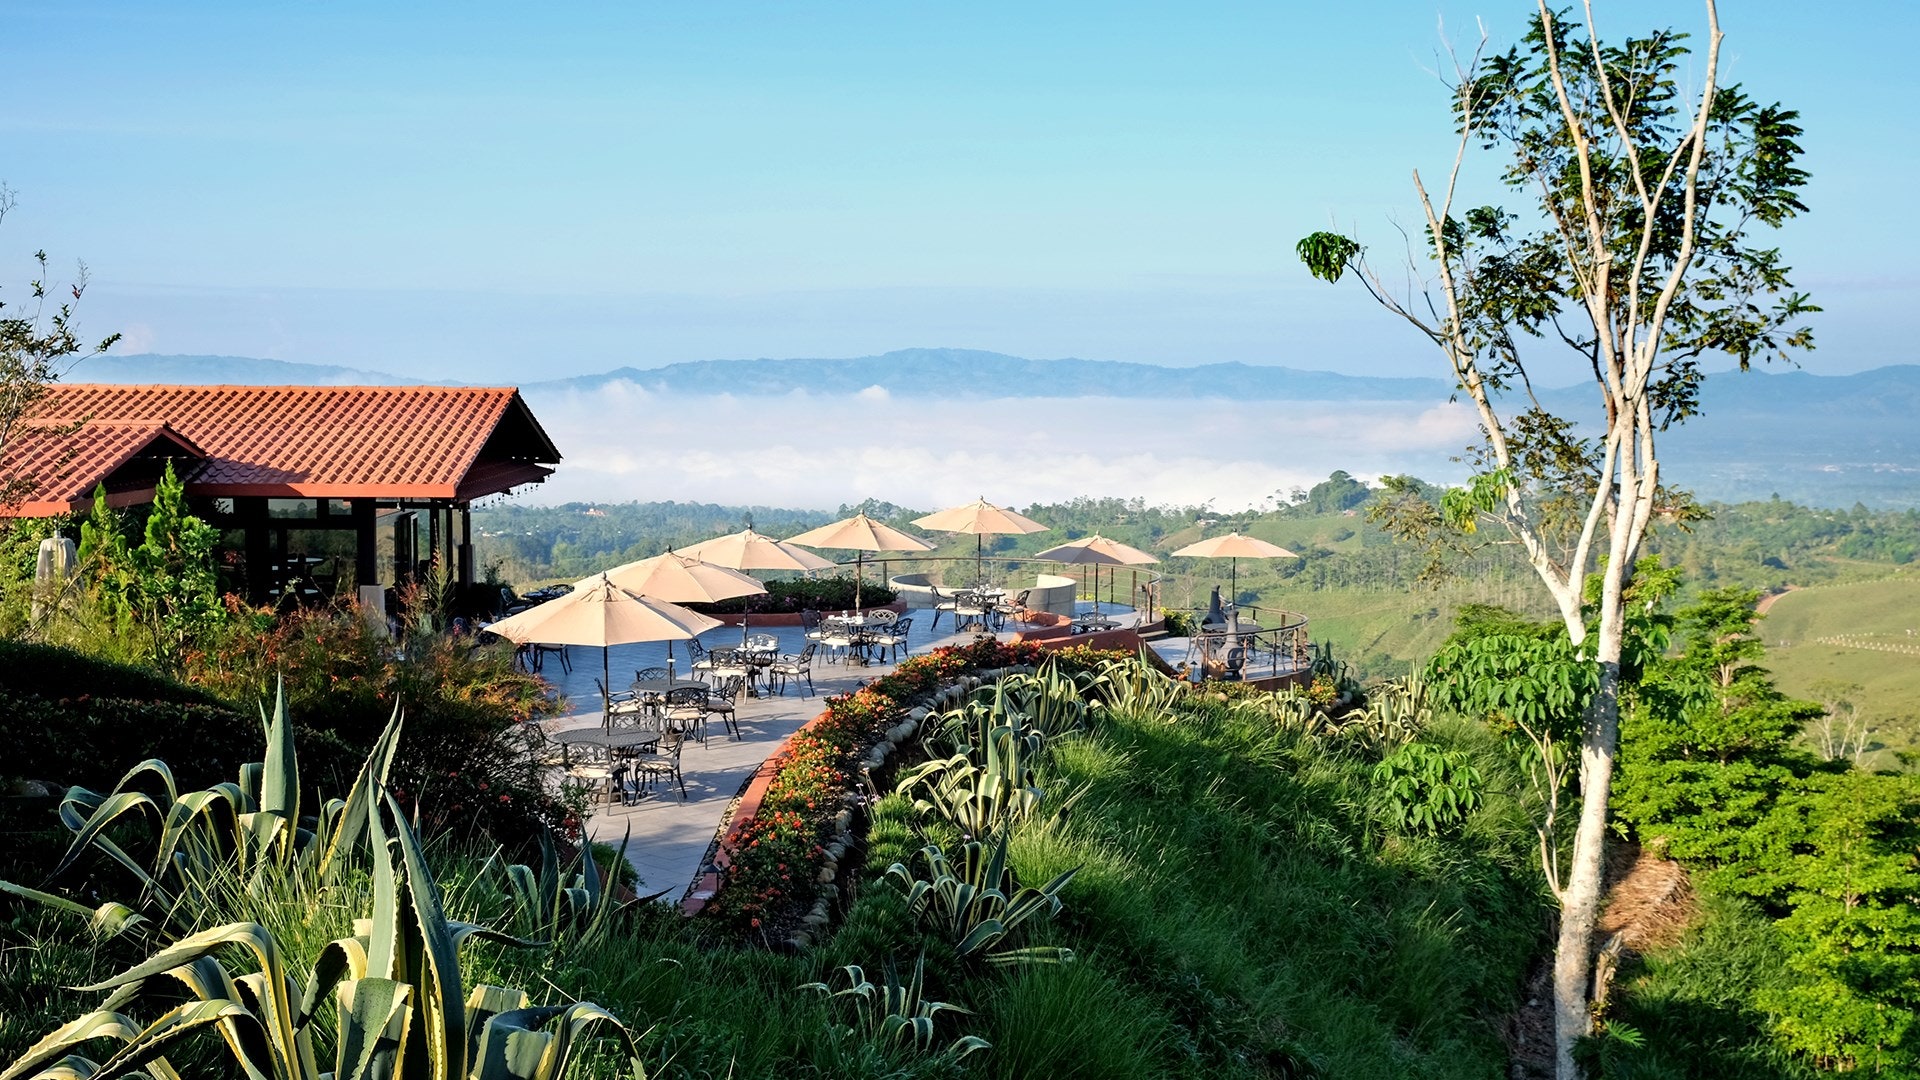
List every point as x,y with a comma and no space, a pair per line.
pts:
1767,600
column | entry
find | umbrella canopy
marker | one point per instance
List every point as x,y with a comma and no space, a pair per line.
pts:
1099,551
1236,547
748,550
862,534
599,613
982,519
681,579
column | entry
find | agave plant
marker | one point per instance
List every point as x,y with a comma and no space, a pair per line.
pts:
899,1013
1134,685
1049,701
246,829
982,789
401,1010
977,903
554,902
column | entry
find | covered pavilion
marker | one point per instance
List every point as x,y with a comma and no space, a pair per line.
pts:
320,490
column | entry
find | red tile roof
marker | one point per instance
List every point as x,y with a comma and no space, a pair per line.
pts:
64,467
391,442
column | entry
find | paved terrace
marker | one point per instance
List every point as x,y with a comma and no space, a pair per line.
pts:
669,837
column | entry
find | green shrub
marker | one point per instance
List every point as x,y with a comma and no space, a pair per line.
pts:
1422,788
469,758
803,594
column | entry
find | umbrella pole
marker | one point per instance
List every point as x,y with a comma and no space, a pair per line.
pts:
606,684
859,561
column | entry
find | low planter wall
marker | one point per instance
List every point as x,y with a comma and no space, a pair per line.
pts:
795,821
818,917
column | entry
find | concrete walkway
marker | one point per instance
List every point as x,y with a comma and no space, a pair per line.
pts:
667,837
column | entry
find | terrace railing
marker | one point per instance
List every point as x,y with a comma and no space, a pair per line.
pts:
1245,654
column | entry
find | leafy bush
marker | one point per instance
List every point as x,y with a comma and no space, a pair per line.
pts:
1421,788
779,848
401,1008
469,758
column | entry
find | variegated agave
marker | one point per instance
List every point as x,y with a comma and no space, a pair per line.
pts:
977,903
401,1011
899,1013
557,903
244,831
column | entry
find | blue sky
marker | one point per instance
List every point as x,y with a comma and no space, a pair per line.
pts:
502,192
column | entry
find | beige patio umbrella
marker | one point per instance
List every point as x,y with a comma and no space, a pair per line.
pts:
861,534
681,579
601,614
1097,550
1236,547
748,550
982,519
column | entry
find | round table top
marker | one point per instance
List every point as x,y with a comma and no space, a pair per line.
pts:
666,686
595,736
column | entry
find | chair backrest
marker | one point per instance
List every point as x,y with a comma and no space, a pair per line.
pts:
696,650
901,627
806,654
810,618
605,697
728,690
938,595
882,615
648,674
1020,598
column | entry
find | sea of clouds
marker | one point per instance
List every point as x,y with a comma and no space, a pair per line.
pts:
624,442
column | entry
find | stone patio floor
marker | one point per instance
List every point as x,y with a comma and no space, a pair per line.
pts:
667,837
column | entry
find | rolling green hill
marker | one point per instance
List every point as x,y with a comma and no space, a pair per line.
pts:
1864,634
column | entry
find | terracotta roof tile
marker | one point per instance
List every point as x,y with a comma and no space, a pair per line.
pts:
64,467
413,442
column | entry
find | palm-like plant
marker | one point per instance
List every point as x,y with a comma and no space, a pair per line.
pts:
977,903
397,984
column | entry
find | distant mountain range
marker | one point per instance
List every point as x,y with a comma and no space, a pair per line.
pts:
903,373
1822,439
950,373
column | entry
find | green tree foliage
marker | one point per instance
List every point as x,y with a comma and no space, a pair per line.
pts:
1337,492
1712,770
1635,249
173,587
165,591
38,344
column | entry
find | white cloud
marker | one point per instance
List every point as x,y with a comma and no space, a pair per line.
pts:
623,442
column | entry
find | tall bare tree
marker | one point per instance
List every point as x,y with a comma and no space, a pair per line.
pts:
1634,252
39,343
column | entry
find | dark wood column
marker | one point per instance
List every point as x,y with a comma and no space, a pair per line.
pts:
366,545
252,515
466,545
